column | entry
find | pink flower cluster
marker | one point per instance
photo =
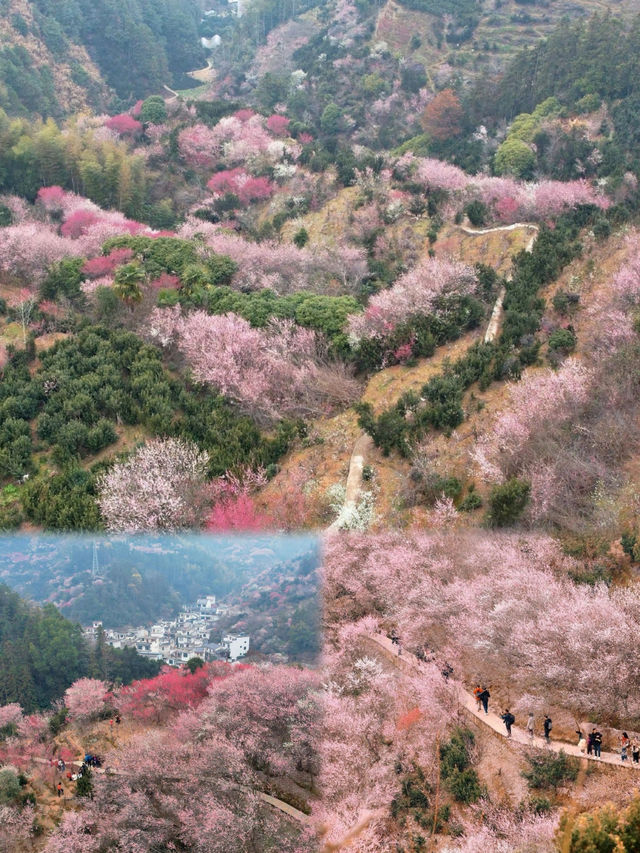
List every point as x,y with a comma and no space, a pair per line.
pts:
268,372
281,266
548,396
236,139
509,200
415,292
242,185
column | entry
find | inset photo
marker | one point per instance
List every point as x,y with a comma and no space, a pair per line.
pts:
159,692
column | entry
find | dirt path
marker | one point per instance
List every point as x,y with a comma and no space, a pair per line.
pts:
496,314
364,442
287,809
410,663
174,97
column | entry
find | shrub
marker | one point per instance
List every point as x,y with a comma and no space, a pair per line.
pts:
549,769
84,785
367,473
471,502
9,786
562,341
540,805
301,238
507,502
477,212
459,777
58,721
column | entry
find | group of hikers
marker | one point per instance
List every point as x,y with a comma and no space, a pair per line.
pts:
589,745
90,760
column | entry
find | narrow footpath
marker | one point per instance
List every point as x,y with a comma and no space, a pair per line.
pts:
409,662
287,809
364,443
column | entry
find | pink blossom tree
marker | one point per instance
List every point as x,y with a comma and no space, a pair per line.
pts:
85,698
161,486
268,372
240,184
28,250
10,714
199,145
16,829
416,292
278,125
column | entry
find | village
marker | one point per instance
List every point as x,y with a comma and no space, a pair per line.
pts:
187,636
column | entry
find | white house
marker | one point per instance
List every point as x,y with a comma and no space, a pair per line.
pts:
207,604
236,646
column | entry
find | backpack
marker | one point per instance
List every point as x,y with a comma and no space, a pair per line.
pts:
548,725
509,718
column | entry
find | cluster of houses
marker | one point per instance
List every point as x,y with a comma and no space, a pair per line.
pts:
176,641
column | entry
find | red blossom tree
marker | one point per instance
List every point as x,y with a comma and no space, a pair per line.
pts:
278,125
124,125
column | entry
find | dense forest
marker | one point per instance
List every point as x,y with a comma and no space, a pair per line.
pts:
138,46
42,653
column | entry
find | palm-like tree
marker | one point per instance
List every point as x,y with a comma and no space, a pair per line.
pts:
127,284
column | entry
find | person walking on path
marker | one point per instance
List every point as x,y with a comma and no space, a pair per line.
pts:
60,789
597,742
508,720
477,690
624,746
582,743
484,698
530,730
635,750
590,742
547,727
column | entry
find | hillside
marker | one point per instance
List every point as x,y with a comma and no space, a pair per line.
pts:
65,57
375,275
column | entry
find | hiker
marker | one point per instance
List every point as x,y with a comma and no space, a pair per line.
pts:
508,720
547,727
597,742
484,698
477,690
590,743
530,725
624,746
446,671
582,743
61,765
635,751
60,789
118,719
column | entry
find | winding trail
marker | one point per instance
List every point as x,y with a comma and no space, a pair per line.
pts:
364,443
408,662
174,94
280,805
496,314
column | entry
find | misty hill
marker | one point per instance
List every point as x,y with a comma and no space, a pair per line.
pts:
61,56
141,580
